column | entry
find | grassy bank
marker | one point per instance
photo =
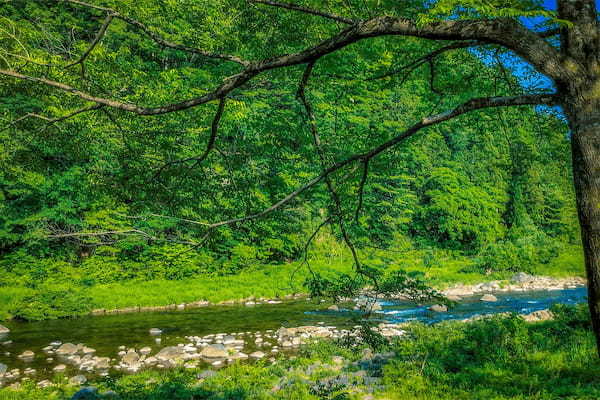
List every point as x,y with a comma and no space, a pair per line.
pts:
499,358
268,281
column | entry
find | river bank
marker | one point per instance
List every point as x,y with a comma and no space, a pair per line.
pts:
61,297
517,283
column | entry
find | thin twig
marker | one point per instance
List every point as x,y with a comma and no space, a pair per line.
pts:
306,10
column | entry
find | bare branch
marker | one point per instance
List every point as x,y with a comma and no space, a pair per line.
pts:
214,131
113,233
306,10
469,106
95,42
549,33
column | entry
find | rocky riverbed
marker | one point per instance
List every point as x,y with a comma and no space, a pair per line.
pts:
520,282
213,350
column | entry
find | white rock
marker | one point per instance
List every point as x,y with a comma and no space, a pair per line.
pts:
60,368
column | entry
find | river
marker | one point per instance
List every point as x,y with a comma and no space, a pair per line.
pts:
106,333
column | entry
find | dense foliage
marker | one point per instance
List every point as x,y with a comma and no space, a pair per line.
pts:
493,186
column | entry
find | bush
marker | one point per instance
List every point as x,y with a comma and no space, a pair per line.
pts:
52,303
457,213
526,254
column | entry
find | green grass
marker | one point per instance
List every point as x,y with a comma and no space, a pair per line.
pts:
500,358
268,282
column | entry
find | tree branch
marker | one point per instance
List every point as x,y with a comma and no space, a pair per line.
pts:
507,33
361,189
156,37
95,42
335,198
209,146
428,57
49,120
305,10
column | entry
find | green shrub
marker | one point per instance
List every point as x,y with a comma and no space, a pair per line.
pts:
525,253
52,304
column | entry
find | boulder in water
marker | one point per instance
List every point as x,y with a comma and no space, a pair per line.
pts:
27,354
4,330
214,351
131,358
60,368
489,298
171,354
438,308
67,349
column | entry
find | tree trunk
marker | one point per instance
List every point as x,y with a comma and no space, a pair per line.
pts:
585,126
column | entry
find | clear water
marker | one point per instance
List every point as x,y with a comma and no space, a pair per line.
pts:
519,302
107,333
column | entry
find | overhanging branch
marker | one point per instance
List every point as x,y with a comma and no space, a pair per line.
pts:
506,33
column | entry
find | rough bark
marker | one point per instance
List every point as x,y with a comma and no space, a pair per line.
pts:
586,171
579,88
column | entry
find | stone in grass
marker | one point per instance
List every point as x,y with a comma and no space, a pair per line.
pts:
60,368
257,354
522,277
155,331
77,380
338,360
489,297
206,374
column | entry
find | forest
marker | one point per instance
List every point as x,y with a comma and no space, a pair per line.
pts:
117,191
